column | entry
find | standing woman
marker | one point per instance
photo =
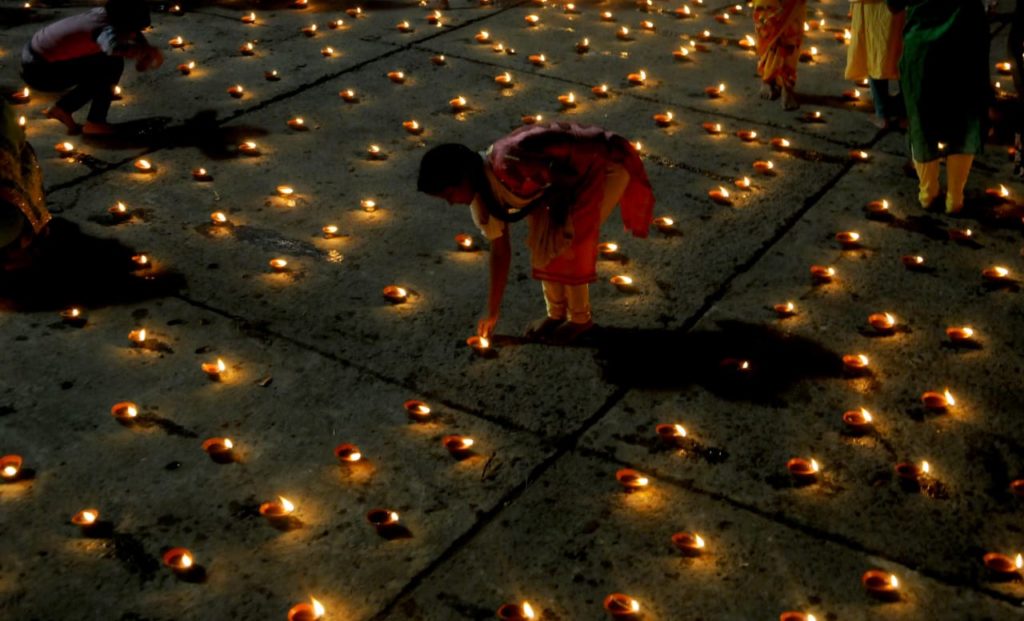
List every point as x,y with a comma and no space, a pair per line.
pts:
945,82
564,179
876,42
779,25
23,214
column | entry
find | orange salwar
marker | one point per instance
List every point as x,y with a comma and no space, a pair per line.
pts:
779,25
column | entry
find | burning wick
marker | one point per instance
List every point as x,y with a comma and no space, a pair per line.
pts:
214,370
480,344
714,92
297,123
637,79
271,76
910,475
997,274
404,26
10,467
249,148
504,80
960,334
306,612
417,410
368,205
785,310
347,453
66,149
22,96
279,510
882,322
220,450
682,53
236,91
398,77
464,242
804,471
516,612
671,433
938,402
201,174
395,294
186,68
781,143
177,42
913,262
137,337
124,412
73,317
86,518
621,606
764,167
690,544
664,224
568,101
849,240
858,421
743,183
720,195
608,249
582,47
631,480
278,265
413,127
795,615
663,119
348,96
600,90
330,231
309,31
458,104
855,362
821,274
460,447
248,49
712,128
622,282
249,18
881,585
179,560
859,156
537,60
382,519
219,218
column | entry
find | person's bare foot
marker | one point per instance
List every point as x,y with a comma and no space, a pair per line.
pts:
769,91
58,114
541,328
879,122
92,128
570,332
789,99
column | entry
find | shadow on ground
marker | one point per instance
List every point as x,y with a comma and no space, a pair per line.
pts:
203,131
70,268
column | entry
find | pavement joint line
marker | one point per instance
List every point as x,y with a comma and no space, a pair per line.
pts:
301,88
564,447
411,387
781,519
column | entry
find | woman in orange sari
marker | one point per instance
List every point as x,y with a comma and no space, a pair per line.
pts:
779,25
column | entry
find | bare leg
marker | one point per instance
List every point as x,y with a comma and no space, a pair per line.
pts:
789,99
59,114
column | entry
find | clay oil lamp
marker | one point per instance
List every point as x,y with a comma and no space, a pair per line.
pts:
10,467
623,34
300,4
464,242
997,274
348,96
482,37
631,480
22,121
663,119
438,59
297,123
347,454
434,18
822,274
395,294
743,183
531,19
852,95
458,104
570,9
960,334
327,51
803,470
1002,565
249,148
413,127
844,37
124,412
938,402
272,75
86,519
780,144
720,195
856,363
909,475
813,117
747,42
807,56
186,68
248,49
177,42
179,560
141,261
647,26
747,135
1017,487
637,146
849,240
119,211
1001,193
220,450
306,611
382,519
22,96
417,410
201,174
404,26
859,155
65,149
530,119
665,224
881,585
368,205
137,337
608,250
601,90
504,80
215,370
355,12
284,191
672,434
682,53
796,615
583,46
712,128
398,77
690,544
537,60
858,421
714,92
621,606
249,18
623,283
607,16
913,261
568,100
683,12
236,91
704,35
460,447
143,166
309,31
374,152
279,511
481,345
278,265
787,309
637,79
765,167
883,323
516,612
73,317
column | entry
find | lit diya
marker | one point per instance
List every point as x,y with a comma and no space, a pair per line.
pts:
10,467
504,79
277,511
910,474
236,91
330,231
882,322
73,317
347,453
631,480
297,123
310,611
568,100
1002,564
881,585
248,49
849,240
822,274
664,224
747,42
215,370
582,47
623,33
960,334
682,53
404,26
813,117
220,450
683,12
530,119
690,544
537,60
1002,192
395,294
852,95
622,282
803,470
349,96
673,433
663,119
368,205
137,337
600,90
858,421
743,183
143,166
119,211
417,410
746,135
460,447
413,127
65,149
621,606
249,18
179,560
458,104
278,265
482,37
608,250
382,519
712,128
647,26
374,152
249,148
186,68
856,363
997,275
86,519
398,77
781,143
714,92
796,615
327,51
309,31
859,156
272,75
516,612
481,345
938,401
532,19
22,96
637,79
438,59
785,310
177,42
720,195
125,411
913,261
464,242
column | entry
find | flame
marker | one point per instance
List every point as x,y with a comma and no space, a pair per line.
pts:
815,466
814,51
698,541
680,430
926,467
790,307
683,51
249,145
138,335
863,359
483,343
745,365
723,191
783,142
356,456
10,471
949,398
721,87
811,617
120,207
67,147
368,204
88,517
22,121
327,51
221,367
75,312
611,247
668,116
894,581
1003,192
286,504
744,182
889,319
1000,271
529,614
1019,562
967,331
278,264
666,221
642,481
634,605
459,101
318,608
866,415
466,442
586,41
228,444
624,31
330,229
570,98
25,92
401,292
185,561
642,75
483,35
623,280
131,411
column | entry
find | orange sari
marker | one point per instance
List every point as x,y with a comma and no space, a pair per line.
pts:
779,25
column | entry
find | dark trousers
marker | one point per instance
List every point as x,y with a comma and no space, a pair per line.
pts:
90,78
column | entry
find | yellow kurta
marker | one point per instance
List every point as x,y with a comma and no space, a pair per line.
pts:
876,41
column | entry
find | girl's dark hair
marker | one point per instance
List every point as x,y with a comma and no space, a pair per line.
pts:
128,15
449,165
